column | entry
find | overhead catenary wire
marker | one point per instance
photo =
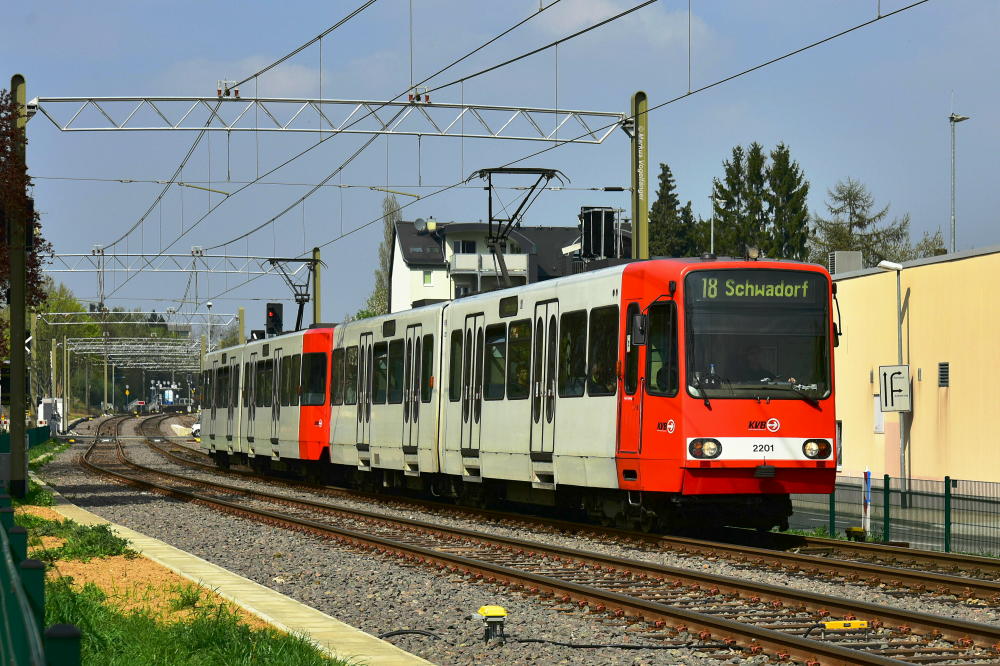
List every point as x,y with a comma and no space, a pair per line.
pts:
673,100
322,140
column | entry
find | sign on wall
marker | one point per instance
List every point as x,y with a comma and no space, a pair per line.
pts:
894,383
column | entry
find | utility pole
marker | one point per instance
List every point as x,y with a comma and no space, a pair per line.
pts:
104,405
640,176
66,393
242,328
316,294
19,224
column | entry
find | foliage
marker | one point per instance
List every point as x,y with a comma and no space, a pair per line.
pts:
213,634
673,230
14,184
855,223
378,300
42,453
36,496
761,203
188,596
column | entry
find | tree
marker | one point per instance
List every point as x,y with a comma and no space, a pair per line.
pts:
672,228
856,224
378,300
787,208
761,204
14,184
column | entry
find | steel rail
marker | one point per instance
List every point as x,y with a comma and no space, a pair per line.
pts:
868,573
963,632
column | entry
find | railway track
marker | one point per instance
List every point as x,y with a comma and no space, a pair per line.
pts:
901,570
719,615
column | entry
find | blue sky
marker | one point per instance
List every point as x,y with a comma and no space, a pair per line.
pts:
871,105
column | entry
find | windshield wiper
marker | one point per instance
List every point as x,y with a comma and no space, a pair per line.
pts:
704,396
797,391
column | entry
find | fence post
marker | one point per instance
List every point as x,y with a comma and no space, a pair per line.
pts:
6,517
947,514
18,538
833,512
62,645
886,508
33,581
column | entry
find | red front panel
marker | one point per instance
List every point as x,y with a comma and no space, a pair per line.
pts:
314,420
654,430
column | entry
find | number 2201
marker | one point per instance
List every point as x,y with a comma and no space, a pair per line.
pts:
763,448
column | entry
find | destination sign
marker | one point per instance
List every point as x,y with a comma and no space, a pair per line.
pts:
755,286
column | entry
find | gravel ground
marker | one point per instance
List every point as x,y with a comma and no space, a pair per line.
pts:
371,592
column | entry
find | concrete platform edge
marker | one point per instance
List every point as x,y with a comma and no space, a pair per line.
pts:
319,628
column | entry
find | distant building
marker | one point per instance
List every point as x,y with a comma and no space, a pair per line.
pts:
453,260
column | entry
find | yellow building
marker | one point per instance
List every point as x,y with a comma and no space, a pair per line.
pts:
950,340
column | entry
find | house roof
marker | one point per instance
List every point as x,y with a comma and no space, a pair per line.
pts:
419,249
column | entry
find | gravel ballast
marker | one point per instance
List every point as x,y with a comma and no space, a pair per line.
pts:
380,595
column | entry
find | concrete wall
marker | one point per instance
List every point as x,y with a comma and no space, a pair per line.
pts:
950,315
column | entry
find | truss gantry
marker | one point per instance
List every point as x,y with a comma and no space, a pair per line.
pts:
195,262
328,116
181,354
150,318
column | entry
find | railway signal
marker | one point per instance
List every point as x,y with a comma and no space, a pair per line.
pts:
273,322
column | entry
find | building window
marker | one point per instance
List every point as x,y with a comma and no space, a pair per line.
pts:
464,246
427,278
462,290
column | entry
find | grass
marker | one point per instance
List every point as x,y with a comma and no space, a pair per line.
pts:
36,496
211,635
40,454
188,596
83,542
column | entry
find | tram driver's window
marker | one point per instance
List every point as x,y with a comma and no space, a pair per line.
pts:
661,350
631,354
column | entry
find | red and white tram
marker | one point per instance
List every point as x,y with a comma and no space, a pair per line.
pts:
654,393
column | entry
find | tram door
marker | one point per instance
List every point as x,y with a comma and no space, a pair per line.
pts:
232,400
365,364
634,390
472,383
251,397
276,398
215,399
544,346
411,390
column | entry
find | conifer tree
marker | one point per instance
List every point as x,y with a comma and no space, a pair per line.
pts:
672,228
787,207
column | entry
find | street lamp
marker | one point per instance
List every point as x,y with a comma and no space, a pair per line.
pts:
209,306
953,119
898,268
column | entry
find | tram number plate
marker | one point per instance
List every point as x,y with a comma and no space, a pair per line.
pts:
763,448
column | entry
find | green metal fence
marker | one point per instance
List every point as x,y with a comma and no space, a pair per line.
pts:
952,515
22,603
35,436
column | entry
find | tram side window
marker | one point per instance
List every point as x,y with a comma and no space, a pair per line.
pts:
222,395
234,391
603,351
519,359
572,354
351,376
632,353
295,377
396,372
380,374
496,366
661,359
455,367
337,378
314,378
265,377
427,368
285,381
206,389
246,384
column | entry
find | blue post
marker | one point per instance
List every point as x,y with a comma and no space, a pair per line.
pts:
886,508
947,514
833,512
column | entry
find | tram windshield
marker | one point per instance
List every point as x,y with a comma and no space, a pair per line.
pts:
757,333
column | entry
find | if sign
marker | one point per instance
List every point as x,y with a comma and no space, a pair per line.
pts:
894,384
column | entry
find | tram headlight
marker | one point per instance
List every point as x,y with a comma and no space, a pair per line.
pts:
705,448
816,449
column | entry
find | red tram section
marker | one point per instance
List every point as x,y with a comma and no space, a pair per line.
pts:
314,414
727,379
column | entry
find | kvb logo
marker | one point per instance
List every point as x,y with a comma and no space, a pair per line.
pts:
771,425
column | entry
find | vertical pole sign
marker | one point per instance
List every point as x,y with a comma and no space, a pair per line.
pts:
16,217
640,176
894,388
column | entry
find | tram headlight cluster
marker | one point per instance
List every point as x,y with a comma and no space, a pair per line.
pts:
705,448
817,449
